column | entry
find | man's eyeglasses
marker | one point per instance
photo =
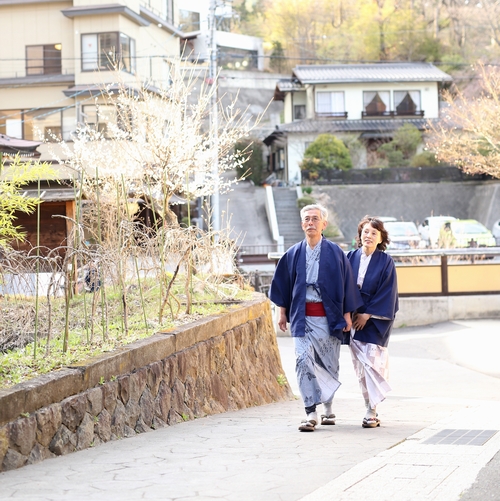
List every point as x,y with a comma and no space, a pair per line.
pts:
314,219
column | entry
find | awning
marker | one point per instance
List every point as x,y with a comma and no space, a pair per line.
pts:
377,135
55,194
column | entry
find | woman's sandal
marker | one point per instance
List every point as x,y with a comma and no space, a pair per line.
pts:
330,419
372,422
308,425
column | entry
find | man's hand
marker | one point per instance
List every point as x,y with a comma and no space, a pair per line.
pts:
360,320
282,321
347,318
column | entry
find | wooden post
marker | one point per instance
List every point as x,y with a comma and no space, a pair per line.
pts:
444,274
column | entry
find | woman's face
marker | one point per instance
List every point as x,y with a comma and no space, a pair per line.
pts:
370,238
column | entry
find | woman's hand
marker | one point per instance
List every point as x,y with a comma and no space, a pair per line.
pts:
360,320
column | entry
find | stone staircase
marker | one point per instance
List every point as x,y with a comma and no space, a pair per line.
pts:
288,215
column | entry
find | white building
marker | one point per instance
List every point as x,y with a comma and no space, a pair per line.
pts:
367,102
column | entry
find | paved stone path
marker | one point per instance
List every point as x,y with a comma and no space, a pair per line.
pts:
258,454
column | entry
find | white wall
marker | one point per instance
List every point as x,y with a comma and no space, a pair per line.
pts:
353,94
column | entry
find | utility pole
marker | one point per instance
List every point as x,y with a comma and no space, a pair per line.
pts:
214,124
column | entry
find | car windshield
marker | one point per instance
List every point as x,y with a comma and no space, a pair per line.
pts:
439,221
467,228
401,229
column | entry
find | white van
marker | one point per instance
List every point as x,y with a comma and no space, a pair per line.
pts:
430,227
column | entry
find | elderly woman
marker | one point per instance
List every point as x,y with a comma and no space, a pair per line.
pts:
372,323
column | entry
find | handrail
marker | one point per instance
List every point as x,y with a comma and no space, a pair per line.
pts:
472,251
440,274
273,219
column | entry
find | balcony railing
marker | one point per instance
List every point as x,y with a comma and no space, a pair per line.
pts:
392,114
332,114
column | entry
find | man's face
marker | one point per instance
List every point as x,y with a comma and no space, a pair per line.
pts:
312,224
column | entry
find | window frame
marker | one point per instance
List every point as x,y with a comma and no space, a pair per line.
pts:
387,113
97,60
332,112
45,65
303,113
418,106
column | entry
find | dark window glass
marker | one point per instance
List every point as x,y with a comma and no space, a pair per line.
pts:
100,51
299,111
43,59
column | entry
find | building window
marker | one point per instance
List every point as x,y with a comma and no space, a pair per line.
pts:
189,20
330,104
99,117
407,102
43,59
170,11
376,104
100,51
281,159
238,59
299,111
11,123
43,125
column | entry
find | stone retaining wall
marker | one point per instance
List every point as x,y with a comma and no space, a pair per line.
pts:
222,363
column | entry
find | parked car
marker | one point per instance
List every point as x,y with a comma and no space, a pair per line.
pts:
403,235
471,233
387,219
430,227
496,231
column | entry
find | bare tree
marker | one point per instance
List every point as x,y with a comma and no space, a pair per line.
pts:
468,134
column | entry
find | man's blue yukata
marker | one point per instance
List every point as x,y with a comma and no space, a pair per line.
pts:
319,275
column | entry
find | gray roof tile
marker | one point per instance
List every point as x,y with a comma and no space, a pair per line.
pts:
376,72
323,126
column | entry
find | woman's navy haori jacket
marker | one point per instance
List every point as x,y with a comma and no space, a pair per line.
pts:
380,296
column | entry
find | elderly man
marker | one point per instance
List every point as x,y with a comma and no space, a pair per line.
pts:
314,288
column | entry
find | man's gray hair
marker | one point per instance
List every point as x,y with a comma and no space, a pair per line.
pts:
323,211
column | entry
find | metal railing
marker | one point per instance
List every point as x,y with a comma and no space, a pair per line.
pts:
444,272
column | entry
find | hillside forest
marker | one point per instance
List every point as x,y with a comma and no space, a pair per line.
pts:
450,33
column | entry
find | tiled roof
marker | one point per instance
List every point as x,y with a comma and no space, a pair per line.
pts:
323,126
288,85
376,72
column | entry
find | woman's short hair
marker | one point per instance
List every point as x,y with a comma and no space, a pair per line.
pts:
378,225
322,210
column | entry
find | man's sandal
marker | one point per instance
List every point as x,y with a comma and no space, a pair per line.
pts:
308,425
330,419
372,422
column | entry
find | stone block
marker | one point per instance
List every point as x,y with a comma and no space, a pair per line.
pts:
132,413
95,400
163,402
219,392
22,435
124,388
38,454
138,381
73,410
146,405
85,432
13,460
4,442
103,426
158,423
64,442
48,421
178,390
118,420
154,377
110,396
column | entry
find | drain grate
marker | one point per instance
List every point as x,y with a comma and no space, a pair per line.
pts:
461,437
